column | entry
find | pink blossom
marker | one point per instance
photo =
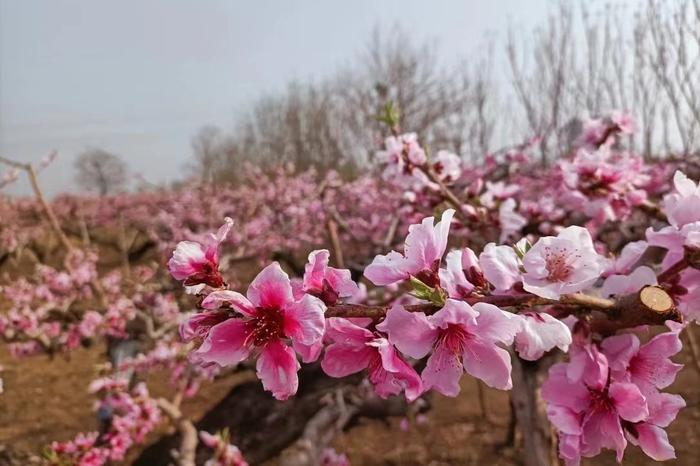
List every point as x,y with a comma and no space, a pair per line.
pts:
650,434
330,457
510,221
197,263
461,338
423,251
355,348
461,274
628,257
498,191
447,166
681,207
648,366
539,333
270,318
617,285
225,454
590,413
501,266
563,264
687,303
327,283
403,157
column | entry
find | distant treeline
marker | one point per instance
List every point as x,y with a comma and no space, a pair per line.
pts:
576,64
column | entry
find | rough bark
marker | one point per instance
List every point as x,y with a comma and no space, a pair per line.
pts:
539,441
263,427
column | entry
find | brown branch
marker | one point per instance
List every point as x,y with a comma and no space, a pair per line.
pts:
188,433
48,211
446,192
671,272
335,243
651,305
319,431
391,233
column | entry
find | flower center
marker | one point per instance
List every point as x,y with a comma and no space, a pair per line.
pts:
268,325
208,274
453,338
326,294
600,401
557,264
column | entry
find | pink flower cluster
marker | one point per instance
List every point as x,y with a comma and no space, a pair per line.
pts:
224,454
128,415
606,396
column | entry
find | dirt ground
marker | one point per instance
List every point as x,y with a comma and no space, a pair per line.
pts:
47,400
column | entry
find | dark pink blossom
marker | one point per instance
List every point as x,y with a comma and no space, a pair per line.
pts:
354,348
198,264
327,283
589,414
648,366
270,319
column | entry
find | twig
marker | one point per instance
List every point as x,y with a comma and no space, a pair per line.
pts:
335,243
188,433
650,305
671,272
34,182
123,248
446,193
391,233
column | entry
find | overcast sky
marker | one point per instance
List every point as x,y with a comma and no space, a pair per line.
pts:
140,77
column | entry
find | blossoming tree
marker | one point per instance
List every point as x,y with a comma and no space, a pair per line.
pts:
570,287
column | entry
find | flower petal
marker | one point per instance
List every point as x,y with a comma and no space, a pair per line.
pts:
388,269
500,266
400,376
411,332
304,320
495,325
443,371
237,301
629,401
271,288
224,344
341,360
277,367
654,442
486,361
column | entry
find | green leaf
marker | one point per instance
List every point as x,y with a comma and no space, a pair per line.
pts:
435,296
390,115
522,247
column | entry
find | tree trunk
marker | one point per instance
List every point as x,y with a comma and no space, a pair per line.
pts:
539,441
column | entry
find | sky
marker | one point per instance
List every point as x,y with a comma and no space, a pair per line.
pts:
139,77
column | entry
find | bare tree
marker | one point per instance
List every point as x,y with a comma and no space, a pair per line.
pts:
207,145
433,100
100,171
578,63
674,59
332,124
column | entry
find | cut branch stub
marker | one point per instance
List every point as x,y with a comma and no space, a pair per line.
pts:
652,305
